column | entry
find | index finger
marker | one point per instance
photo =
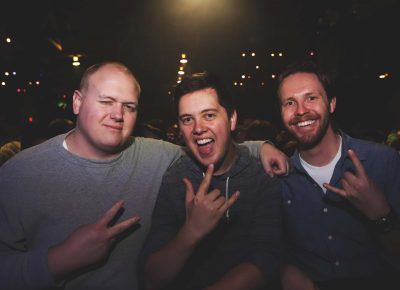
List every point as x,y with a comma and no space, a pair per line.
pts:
205,184
357,163
122,226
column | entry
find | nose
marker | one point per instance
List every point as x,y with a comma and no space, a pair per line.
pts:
198,128
301,109
117,112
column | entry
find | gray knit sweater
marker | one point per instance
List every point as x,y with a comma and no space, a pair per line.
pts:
47,192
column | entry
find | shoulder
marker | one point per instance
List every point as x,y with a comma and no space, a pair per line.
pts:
154,144
36,154
182,167
367,149
249,165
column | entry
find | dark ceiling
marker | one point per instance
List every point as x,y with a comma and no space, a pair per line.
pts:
354,39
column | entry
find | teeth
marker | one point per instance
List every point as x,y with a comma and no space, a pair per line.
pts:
305,123
204,141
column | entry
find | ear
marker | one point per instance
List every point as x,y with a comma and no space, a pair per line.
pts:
233,120
332,105
77,100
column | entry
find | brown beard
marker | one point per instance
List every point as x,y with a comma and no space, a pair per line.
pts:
310,142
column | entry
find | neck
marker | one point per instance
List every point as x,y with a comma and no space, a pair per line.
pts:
229,159
323,152
77,145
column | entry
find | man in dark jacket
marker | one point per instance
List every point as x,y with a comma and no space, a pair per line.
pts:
216,223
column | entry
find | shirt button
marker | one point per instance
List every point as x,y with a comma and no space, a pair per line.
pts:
337,263
325,210
289,201
330,237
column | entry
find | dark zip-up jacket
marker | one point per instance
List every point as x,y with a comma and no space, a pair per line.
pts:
252,233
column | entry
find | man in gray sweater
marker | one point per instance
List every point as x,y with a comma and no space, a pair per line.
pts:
70,207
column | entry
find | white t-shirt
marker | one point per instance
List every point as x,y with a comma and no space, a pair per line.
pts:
323,174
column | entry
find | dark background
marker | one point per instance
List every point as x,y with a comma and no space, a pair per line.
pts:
355,40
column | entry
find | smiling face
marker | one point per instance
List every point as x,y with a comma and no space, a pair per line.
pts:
305,108
107,112
206,129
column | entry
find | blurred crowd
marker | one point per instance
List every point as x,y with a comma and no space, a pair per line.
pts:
248,129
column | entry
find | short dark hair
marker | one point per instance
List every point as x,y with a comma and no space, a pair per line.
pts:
307,66
200,81
94,68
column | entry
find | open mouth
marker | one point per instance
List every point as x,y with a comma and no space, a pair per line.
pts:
305,123
205,145
204,142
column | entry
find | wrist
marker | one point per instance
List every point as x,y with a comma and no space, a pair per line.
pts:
189,235
385,223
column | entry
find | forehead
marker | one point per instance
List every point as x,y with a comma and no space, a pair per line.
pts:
198,101
300,84
113,80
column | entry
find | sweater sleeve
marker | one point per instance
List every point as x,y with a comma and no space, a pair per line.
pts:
21,267
254,147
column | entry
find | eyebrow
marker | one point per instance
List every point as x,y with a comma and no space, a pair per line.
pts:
209,110
201,112
306,94
102,97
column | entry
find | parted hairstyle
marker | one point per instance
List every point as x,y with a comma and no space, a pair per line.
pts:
200,81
